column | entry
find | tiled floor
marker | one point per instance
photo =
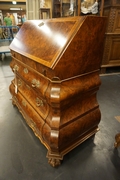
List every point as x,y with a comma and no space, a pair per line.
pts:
23,157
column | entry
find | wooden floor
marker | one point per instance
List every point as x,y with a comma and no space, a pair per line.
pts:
23,157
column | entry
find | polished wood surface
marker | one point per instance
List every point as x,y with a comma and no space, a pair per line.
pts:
56,80
42,33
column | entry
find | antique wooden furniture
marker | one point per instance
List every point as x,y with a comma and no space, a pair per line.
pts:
64,8
56,63
111,55
45,11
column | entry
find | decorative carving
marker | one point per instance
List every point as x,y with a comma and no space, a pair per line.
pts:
106,50
15,68
54,162
117,140
35,83
25,70
39,102
111,19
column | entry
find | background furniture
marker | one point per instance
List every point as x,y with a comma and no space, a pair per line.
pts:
63,8
7,34
45,11
111,56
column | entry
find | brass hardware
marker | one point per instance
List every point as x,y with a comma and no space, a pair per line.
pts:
24,103
25,70
35,83
15,68
19,82
41,24
39,102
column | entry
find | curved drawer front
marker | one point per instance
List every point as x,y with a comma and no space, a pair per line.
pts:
35,80
38,102
35,121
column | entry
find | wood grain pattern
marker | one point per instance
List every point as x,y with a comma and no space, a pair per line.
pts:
55,87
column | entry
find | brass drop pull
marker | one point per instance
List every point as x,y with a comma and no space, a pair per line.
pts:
35,83
23,103
25,70
39,102
19,82
15,68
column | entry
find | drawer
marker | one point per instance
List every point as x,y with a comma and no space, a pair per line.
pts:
39,103
28,112
33,78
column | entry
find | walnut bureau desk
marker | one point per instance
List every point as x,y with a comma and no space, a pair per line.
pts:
56,63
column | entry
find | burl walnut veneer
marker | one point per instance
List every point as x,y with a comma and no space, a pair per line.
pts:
56,63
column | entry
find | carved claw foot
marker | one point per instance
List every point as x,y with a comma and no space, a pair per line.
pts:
54,162
117,140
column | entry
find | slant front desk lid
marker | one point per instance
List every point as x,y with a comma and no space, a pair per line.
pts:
73,44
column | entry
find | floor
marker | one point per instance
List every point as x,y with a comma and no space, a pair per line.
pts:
23,157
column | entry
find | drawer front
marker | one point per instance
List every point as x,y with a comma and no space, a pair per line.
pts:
30,115
30,76
38,102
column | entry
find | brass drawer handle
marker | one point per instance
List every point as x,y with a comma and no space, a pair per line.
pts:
23,103
35,83
19,82
39,102
25,70
16,67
